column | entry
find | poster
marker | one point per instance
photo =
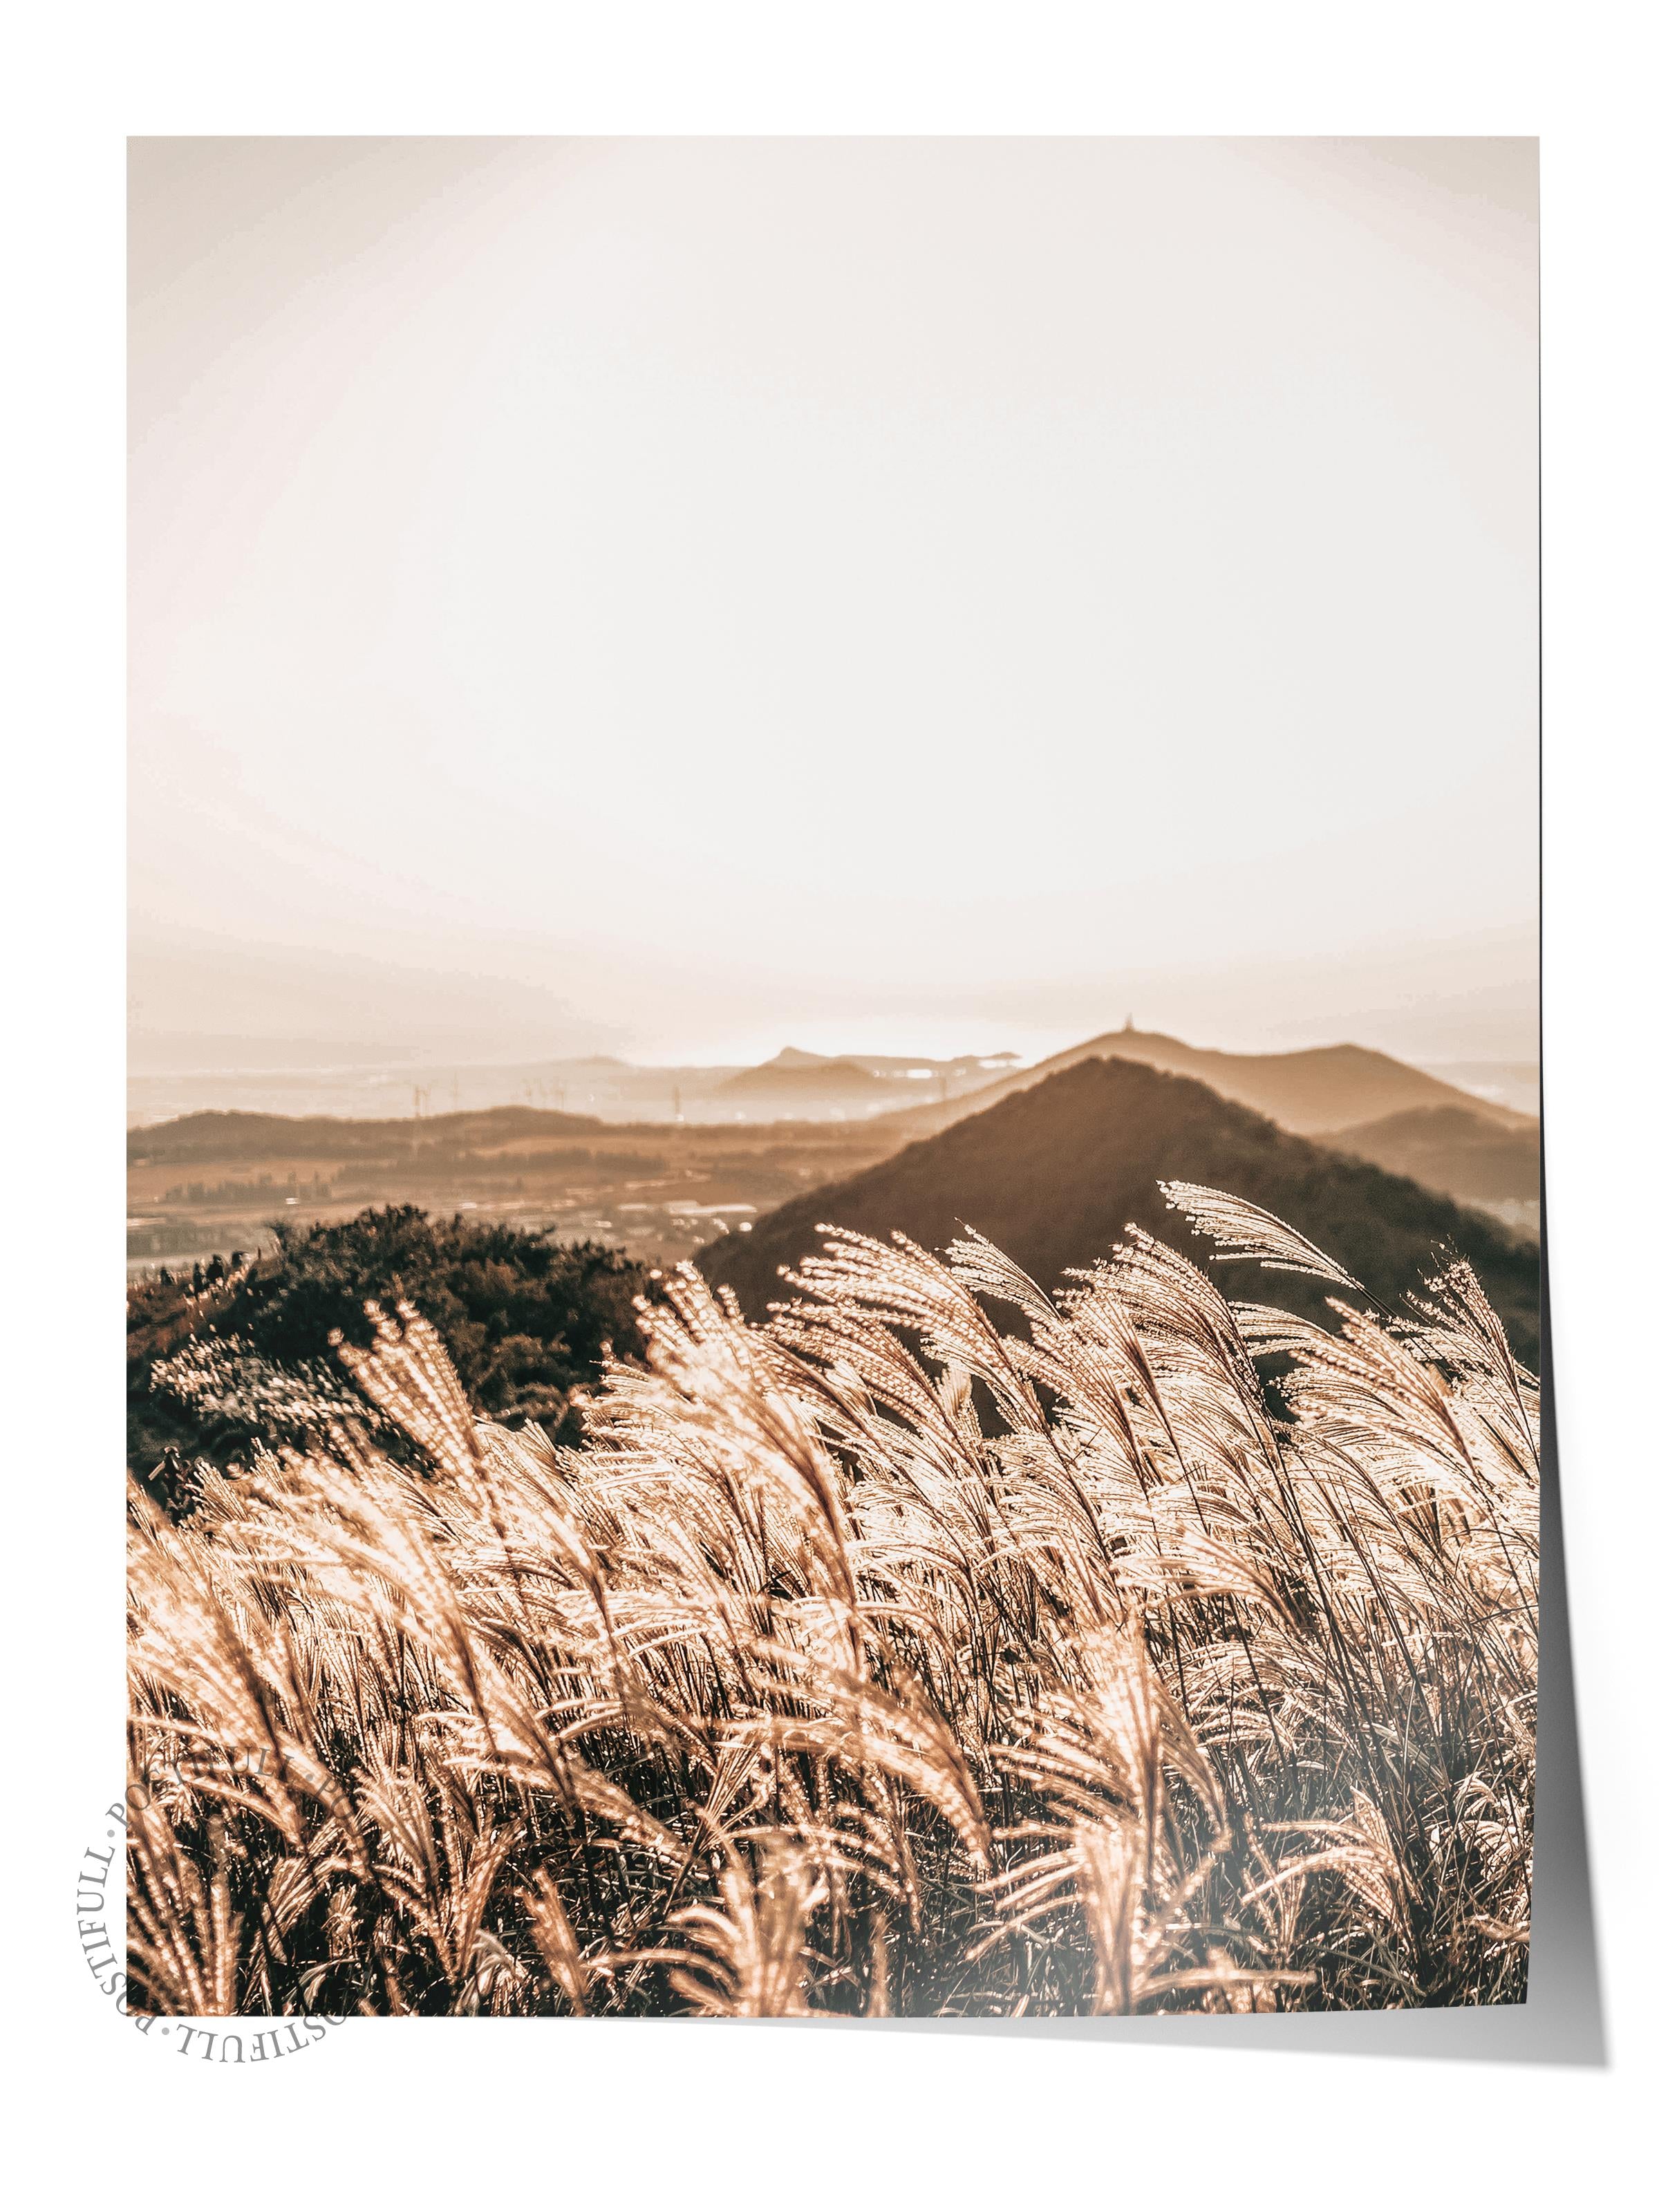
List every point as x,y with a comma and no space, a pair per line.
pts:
834,1197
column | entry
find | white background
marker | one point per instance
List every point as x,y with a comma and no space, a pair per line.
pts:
425,2113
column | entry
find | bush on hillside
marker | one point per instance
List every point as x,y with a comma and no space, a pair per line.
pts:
233,1352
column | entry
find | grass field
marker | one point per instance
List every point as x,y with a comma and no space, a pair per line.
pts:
944,1647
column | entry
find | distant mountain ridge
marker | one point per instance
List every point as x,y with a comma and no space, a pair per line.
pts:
1319,1091
1052,1172
985,1064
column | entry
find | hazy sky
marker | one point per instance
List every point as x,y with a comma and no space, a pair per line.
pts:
682,597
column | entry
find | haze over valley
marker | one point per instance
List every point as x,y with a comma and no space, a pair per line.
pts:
661,1162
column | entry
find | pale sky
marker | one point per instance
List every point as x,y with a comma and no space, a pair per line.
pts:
682,598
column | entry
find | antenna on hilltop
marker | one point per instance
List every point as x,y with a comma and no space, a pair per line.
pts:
1128,1024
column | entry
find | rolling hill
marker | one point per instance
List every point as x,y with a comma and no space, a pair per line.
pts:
217,1140
1452,1149
1053,1171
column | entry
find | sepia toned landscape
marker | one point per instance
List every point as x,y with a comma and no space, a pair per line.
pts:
213,1182
713,1429
888,1659
922,1642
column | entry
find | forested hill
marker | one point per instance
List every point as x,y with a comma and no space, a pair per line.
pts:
1054,1174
